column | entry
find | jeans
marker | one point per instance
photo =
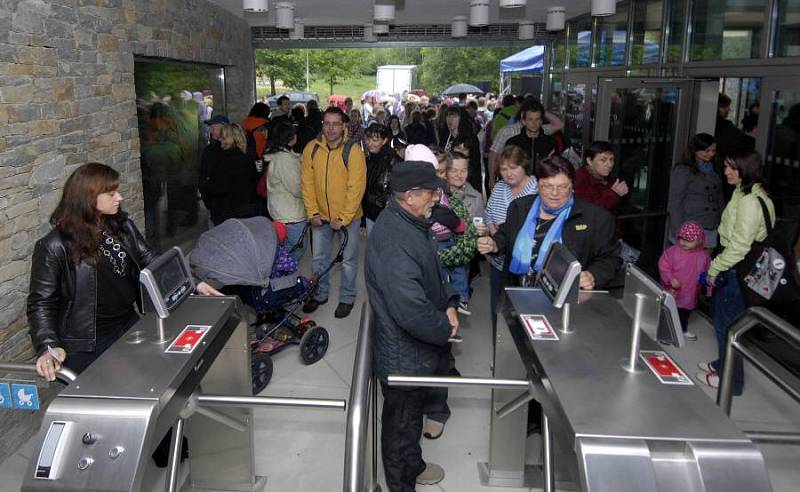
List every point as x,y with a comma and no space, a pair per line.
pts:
323,238
370,224
727,303
293,233
401,430
457,275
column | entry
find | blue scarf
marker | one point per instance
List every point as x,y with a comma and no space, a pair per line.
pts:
706,167
523,247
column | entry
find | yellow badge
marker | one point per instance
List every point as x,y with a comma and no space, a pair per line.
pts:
581,227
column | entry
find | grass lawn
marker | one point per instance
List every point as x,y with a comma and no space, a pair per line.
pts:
352,87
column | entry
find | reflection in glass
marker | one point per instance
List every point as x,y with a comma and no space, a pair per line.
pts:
555,93
743,92
612,34
646,31
580,42
726,29
676,28
172,103
783,153
573,118
642,130
787,28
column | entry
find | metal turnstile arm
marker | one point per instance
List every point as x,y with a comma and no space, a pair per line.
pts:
258,401
442,382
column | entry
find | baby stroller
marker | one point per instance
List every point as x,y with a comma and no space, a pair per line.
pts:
245,257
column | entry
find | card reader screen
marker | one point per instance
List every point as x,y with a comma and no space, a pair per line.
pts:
170,276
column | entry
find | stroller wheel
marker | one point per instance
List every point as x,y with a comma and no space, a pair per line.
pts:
261,366
314,344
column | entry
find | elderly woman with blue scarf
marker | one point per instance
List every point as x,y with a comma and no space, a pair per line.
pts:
534,222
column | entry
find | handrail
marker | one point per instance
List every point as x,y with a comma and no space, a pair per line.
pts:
356,438
757,316
64,374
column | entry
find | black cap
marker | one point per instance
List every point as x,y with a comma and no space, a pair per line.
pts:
413,175
435,100
218,119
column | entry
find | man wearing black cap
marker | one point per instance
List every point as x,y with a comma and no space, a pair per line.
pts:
415,315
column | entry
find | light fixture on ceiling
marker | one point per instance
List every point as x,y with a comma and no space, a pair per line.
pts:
384,12
459,27
284,15
255,5
369,34
478,13
380,28
512,4
526,29
556,18
602,8
299,31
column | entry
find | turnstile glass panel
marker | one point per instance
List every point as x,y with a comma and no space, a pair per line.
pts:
640,117
782,160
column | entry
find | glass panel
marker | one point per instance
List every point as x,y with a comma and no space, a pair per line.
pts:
646,31
612,33
783,153
726,29
557,63
574,115
580,40
676,28
642,130
173,101
787,28
743,93
555,93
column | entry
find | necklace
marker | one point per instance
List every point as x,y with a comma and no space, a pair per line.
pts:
112,250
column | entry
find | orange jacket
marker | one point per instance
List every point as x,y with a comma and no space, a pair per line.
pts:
251,123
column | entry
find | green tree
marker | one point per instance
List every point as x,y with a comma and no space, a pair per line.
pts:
442,67
335,65
288,66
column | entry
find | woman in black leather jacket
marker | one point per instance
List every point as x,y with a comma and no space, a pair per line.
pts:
380,159
85,274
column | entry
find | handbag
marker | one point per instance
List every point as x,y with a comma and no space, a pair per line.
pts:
769,271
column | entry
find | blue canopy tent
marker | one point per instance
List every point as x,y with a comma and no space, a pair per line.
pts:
527,60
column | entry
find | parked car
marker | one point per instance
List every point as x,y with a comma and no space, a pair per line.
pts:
294,98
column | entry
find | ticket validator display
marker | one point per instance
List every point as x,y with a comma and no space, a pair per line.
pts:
660,314
559,276
167,281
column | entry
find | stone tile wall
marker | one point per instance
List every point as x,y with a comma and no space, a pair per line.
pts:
67,97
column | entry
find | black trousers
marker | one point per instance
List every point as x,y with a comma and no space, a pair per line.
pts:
401,429
683,315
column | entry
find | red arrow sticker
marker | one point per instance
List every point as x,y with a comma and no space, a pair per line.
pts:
665,369
188,339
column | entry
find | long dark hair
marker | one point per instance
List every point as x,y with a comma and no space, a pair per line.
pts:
76,216
697,143
748,163
280,137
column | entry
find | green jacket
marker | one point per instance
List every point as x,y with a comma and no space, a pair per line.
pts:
742,224
464,248
502,118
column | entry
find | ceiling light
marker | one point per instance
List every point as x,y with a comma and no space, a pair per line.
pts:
369,33
459,27
299,31
379,28
384,12
284,15
478,13
601,8
556,18
526,29
512,4
255,5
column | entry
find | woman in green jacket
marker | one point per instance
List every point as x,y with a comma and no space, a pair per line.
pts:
741,225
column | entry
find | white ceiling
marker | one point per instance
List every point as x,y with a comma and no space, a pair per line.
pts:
407,12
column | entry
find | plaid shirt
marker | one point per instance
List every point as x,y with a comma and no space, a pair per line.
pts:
464,248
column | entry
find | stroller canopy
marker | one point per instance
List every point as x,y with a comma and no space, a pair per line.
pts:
236,252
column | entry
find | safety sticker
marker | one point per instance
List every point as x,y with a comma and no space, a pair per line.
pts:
538,327
665,369
189,338
5,396
25,396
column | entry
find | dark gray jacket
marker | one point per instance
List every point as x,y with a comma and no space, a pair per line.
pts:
408,295
694,196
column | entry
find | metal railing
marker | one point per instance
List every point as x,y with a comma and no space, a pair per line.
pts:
65,375
763,361
362,403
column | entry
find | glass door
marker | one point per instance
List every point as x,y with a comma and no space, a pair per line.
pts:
779,143
647,123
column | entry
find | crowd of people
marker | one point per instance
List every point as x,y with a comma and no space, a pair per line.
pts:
433,189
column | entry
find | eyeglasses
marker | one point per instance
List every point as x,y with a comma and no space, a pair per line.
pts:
329,124
548,188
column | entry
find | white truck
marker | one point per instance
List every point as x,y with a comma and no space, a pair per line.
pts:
394,79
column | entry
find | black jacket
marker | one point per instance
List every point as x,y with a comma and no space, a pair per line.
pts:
408,295
379,168
589,233
537,148
232,187
63,300
419,133
212,154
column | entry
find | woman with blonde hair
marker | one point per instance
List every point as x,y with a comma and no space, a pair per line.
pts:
233,180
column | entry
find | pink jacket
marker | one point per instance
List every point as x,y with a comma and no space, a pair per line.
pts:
686,266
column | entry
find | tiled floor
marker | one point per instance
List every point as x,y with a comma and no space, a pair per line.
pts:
303,450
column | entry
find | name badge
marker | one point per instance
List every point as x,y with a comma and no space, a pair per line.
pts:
581,227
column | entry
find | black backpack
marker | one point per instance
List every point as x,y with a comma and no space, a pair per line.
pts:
348,146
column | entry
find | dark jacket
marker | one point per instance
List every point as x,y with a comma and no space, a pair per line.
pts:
537,148
379,168
408,295
694,196
209,160
589,233
63,299
419,133
599,192
232,187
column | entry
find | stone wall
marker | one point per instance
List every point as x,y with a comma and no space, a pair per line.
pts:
67,97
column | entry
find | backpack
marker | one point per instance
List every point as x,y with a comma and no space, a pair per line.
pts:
345,153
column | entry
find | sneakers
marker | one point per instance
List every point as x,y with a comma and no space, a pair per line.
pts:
312,304
688,335
432,429
463,308
455,339
343,310
707,367
433,474
709,378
